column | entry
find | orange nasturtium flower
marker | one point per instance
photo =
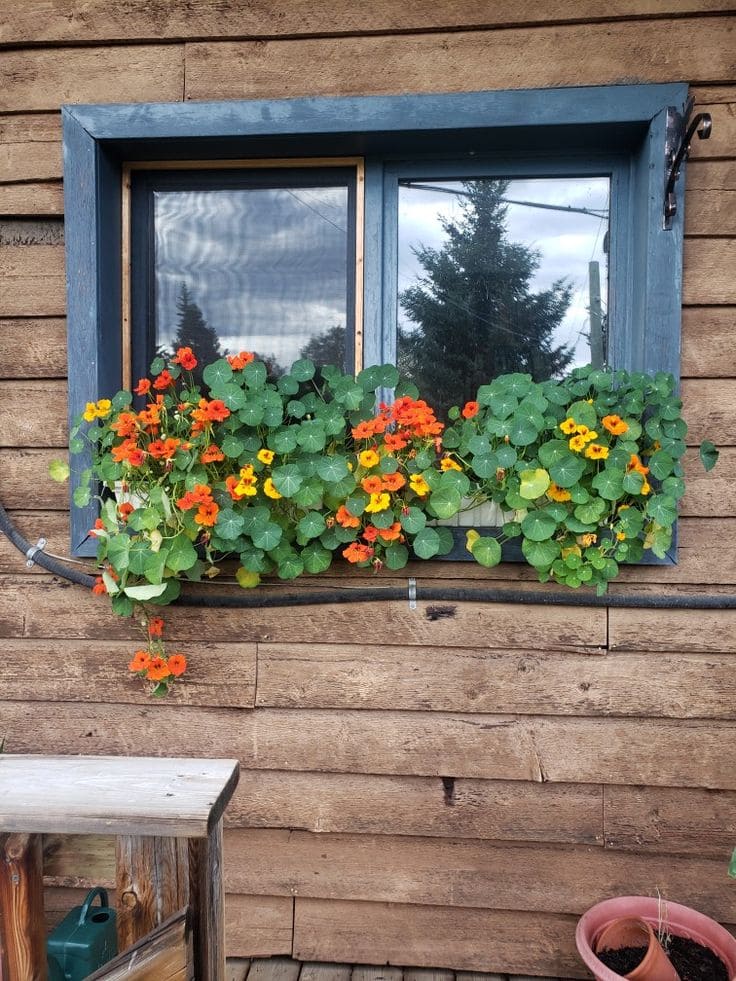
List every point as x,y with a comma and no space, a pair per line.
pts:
368,459
143,387
636,465
344,518
125,510
99,588
393,481
569,426
177,664
141,661
357,552
164,449
390,534
395,441
158,669
615,425
207,514
596,452
156,626
470,409
213,454
185,357
555,493
164,380
372,484
231,483
239,361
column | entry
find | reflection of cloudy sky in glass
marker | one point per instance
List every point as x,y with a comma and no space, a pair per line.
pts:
566,241
267,266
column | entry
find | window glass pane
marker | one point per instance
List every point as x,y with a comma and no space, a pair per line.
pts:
262,269
498,276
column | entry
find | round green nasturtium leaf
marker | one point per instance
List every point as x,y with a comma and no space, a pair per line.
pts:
663,509
267,536
287,480
82,496
633,482
217,374
523,430
426,544
247,579
182,554
486,551
506,456
396,556
413,520
232,447
290,567
229,524
446,540
583,413
502,405
255,375
251,412
445,502
316,559
708,454
609,484
296,409
311,525
592,512
567,471
533,483
303,370
538,526
485,466
553,451
333,468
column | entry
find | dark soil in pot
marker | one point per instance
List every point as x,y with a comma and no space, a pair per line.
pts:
691,960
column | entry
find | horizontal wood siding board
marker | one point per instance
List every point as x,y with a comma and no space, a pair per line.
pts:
698,540
31,199
589,54
710,494
708,271
30,147
709,406
710,213
432,936
708,348
32,347
61,610
699,631
25,480
44,425
73,671
563,750
470,680
258,926
46,78
668,820
452,872
156,20
32,281
723,136
429,806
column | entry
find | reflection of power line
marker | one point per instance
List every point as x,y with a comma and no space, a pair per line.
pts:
593,212
318,213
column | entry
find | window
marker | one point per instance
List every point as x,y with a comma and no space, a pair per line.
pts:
503,230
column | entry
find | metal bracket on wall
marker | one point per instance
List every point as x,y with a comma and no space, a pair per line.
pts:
681,130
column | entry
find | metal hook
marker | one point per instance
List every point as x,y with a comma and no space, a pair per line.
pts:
678,148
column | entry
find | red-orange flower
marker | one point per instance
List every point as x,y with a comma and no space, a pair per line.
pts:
390,534
158,669
185,358
98,526
99,588
231,483
163,381
164,449
356,552
370,533
125,510
345,518
125,451
177,664
202,494
239,361
395,441
217,410
207,514
372,485
393,481
143,387
156,626
125,425
470,409
213,454
141,660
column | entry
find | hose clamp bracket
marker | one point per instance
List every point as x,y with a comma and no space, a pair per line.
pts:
412,594
33,552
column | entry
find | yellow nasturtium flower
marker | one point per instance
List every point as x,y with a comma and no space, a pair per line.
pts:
90,412
419,485
447,463
368,459
270,491
104,408
577,443
378,502
569,426
265,456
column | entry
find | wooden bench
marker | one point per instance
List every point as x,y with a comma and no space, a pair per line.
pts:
167,816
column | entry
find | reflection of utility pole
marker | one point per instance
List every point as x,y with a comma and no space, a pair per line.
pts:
596,315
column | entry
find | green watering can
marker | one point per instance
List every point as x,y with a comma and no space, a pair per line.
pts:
84,940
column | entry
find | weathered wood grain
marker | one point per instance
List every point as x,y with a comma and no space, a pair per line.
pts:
237,969
150,20
708,271
562,750
51,525
698,540
258,926
32,347
525,682
275,969
31,199
451,872
699,631
708,348
25,481
32,282
709,494
710,409
45,78
74,671
432,936
22,937
33,413
667,820
151,882
710,199
365,973
165,954
30,147
57,609
429,806
327,972
207,900
79,861
590,54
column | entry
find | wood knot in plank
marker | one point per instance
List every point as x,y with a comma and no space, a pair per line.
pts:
433,613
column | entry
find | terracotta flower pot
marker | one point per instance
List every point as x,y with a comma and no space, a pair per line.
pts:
678,920
632,931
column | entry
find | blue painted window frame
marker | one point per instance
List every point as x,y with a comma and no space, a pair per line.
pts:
625,126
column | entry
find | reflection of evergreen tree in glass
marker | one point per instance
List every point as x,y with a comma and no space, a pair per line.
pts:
193,331
475,314
326,348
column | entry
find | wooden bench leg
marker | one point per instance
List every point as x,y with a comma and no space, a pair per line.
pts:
152,882
207,903
22,927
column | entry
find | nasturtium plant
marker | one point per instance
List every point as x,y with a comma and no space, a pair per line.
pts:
282,474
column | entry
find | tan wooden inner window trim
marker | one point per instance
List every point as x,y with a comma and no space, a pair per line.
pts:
292,162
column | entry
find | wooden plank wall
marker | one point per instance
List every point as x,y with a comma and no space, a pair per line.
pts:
449,792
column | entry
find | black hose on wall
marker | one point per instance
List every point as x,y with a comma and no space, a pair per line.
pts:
258,599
